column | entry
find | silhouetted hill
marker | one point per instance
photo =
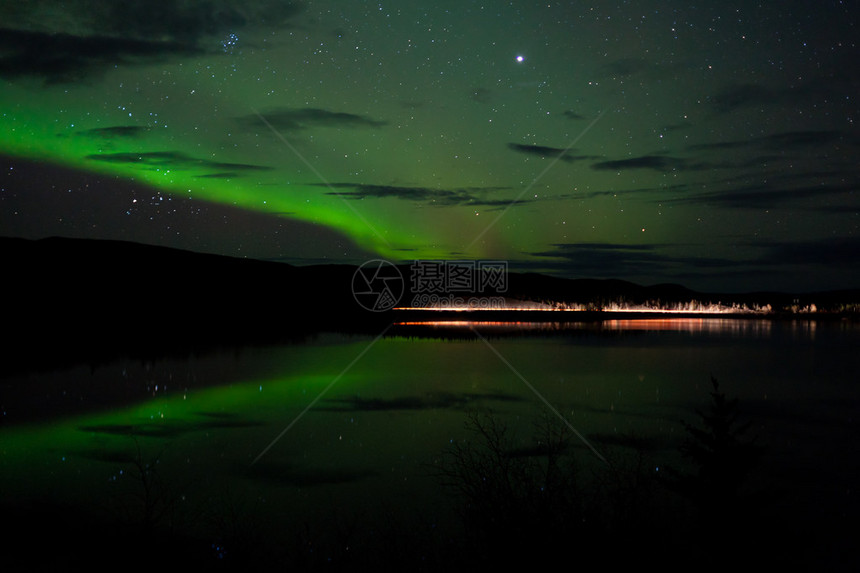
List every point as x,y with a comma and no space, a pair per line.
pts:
117,280
72,298
78,297
532,286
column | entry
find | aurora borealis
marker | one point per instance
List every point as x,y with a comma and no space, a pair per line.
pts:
712,145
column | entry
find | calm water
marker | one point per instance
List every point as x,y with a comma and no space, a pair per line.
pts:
311,447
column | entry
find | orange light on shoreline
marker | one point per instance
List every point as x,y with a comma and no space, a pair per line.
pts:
469,323
729,311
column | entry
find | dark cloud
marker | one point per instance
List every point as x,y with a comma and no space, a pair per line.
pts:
224,420
744,95
117,131
543,152
768,195
597,247
678,126
442,197
167,430
839,252
65,42
424,402
611,259
661,163
607,193
780,267
59,58
194,20
832,79
183,21
296,119
171,429
769,264
839,209
780,141
569,114
802,139
172,160
821,190
226,175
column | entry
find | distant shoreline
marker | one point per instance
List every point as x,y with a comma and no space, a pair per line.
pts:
574,316
73,301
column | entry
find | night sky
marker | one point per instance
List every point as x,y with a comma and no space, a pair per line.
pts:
712,145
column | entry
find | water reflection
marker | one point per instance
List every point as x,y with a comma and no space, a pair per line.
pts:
801,329
721,326
693,325
170,441
499,326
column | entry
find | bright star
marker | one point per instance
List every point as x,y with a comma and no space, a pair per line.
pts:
520,59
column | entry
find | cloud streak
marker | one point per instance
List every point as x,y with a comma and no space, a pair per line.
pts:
766,195
62,58
116,131
172,160
441,400
832,78
779,141
612,259
298,119
469,196
544,152
69,41
660,163
840,252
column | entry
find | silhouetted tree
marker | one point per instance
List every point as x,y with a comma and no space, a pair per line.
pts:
523,506
722,455
515,501
722,460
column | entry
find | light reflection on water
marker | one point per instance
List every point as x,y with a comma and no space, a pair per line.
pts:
693,325
369,437
722,327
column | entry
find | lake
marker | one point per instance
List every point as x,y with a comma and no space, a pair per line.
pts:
344,451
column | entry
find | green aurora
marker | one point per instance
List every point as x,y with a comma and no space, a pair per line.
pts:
712,146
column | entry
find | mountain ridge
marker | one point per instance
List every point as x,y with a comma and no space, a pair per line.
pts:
65,252
69,297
